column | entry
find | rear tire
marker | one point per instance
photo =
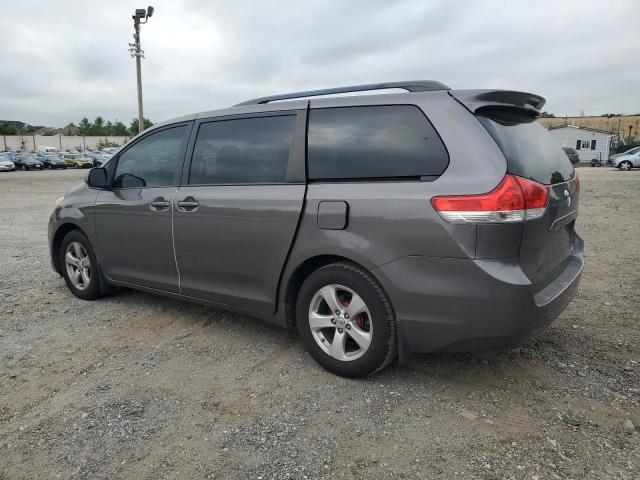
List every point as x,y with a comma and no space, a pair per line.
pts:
79,266
365,340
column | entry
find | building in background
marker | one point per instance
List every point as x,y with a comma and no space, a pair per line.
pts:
590,143
627,127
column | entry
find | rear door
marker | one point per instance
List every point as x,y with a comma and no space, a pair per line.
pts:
237,211
547,243
133,217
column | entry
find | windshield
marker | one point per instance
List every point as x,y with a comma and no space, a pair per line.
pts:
529,149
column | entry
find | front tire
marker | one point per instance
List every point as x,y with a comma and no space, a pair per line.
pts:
79,265
346,321
625,166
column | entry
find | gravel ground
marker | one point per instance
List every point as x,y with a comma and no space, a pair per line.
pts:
138,386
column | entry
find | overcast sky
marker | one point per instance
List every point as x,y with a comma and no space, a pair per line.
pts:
66,59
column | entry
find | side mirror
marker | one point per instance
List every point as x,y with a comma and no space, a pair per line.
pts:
97,178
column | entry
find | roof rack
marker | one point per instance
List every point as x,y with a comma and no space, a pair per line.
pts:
411,86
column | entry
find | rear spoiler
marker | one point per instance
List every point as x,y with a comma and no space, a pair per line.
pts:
474,100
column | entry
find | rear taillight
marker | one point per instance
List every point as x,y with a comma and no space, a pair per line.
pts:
576,180
516,199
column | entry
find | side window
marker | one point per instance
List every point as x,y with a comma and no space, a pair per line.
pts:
373,142
154,161
593,144
247,150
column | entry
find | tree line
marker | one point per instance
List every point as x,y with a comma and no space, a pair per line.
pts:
99,128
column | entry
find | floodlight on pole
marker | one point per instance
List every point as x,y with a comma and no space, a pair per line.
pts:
135,49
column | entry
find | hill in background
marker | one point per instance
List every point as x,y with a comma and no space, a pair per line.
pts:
20,125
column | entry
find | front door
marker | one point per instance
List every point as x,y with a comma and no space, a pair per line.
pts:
133,218
236,215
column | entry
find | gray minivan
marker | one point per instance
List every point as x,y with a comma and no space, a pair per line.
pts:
375,225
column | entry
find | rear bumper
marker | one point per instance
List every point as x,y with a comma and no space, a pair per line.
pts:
446,304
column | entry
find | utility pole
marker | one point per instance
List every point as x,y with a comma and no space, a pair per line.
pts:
139,54
135,49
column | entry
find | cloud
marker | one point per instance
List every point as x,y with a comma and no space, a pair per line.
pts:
67,59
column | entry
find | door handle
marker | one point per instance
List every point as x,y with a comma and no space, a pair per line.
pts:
189,204
159,204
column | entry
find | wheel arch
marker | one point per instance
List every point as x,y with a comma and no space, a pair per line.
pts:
57,241
299,275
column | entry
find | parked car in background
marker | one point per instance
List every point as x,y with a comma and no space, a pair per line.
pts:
28,161
103,158
46,149
91,156
98,158
53,161
627,161
40,156
77,160
103,155
10,154
6,165
572,154
631,151
431,220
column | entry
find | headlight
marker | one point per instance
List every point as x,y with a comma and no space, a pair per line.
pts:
58,201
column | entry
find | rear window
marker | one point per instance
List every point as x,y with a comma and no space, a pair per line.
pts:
385,141
529,149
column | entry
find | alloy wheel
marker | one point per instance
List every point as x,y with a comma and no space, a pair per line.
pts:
78,265
340,322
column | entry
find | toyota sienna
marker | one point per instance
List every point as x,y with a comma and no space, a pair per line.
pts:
376,225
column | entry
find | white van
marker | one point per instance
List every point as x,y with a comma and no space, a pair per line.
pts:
46,149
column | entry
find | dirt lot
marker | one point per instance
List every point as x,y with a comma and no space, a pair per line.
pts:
138,386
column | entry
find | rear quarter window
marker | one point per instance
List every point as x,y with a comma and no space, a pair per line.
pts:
387,141
529,149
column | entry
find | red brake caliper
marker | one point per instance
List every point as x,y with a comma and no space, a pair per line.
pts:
359,318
